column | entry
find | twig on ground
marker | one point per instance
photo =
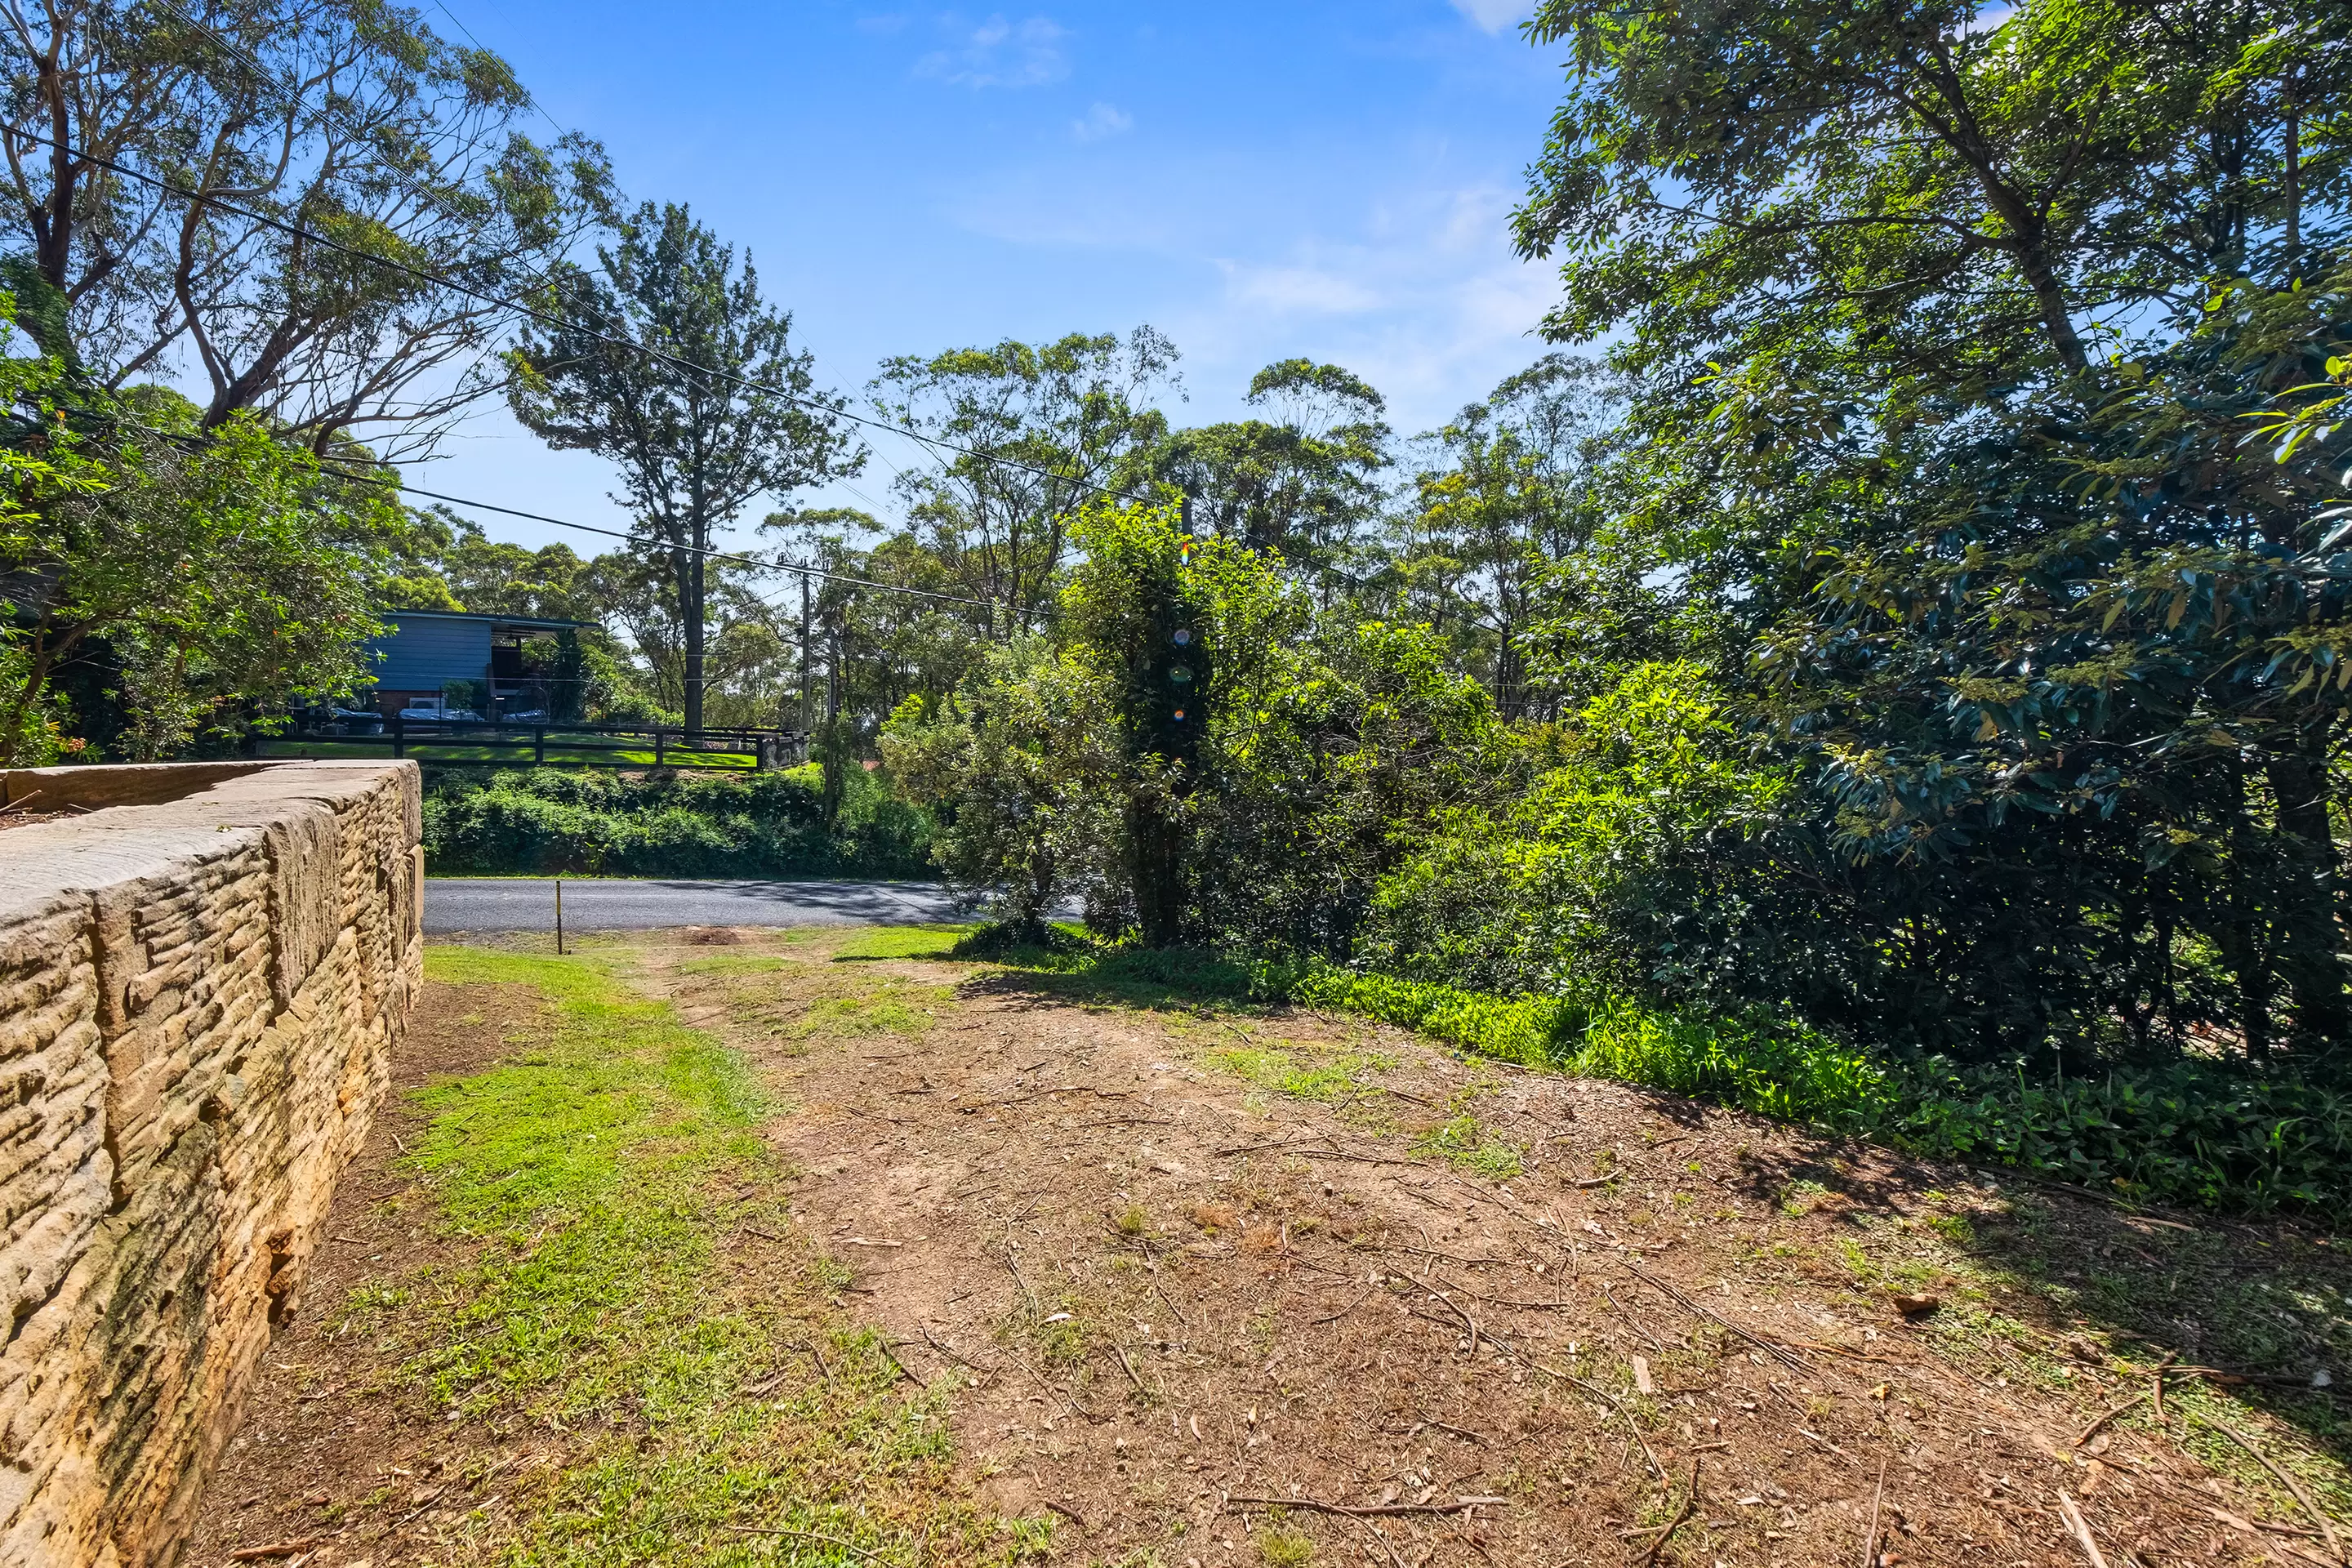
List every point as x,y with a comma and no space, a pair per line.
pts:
1128,1367
1370,1291
1463,1433
1870,1541
2318,1515
1026,1294
815,1355
1477,1332
1067,1513
1772,1348
2080,1529
1616,1409
1631,1321
892,1356
274,1549
1367,1511
1690,1502
2157,1389
924,1329
807,1535
2092,1429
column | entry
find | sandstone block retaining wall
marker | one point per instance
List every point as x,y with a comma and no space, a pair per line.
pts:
201,982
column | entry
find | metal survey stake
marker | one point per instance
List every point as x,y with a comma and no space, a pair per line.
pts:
558,917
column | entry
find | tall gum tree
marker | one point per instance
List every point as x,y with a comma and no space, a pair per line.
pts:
670,364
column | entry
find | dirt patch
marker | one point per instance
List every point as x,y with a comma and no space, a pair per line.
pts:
1222,1286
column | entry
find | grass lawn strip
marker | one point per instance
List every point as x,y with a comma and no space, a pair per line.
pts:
603,1176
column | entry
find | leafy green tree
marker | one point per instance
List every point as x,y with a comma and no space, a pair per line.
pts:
340,118
1919,196
221,575
701,404
1042,430
1305,484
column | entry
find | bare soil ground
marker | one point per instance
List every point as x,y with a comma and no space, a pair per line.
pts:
1209,1286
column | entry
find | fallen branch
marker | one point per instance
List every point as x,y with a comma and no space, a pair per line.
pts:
1772,1348
1368,1511
1690,1502
276,1549
1870,1541
1615,1408
2318,1516
2092,1429
2080,1529
807,1535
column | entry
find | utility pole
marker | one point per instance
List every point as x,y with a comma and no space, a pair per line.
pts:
808,692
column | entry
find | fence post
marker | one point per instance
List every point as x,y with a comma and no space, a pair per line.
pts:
538,745
659,738
399,735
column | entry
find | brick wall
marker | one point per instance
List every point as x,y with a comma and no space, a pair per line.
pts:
199,994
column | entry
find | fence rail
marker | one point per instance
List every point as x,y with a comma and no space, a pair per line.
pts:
765,747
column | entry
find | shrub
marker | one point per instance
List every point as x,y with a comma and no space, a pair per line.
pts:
586,822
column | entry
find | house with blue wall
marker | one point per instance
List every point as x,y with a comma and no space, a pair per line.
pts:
478,662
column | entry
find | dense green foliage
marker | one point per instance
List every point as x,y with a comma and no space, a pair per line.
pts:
1905,689
161,584
1904,685
662,823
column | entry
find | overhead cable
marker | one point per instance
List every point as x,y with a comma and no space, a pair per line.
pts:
439,280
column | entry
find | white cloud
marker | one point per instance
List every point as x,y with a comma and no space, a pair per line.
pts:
1297,290
1102,119
1492,16
999,53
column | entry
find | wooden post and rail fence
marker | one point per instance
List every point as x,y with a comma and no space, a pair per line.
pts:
763,748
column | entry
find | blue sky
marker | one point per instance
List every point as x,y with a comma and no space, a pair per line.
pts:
1256,181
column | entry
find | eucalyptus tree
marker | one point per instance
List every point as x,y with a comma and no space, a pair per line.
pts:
216,188
1507,501
1305,484
669,364
1026,437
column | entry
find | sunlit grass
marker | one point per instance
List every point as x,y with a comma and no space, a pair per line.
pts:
597,1175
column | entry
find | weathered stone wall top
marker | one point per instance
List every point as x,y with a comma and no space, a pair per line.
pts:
200,984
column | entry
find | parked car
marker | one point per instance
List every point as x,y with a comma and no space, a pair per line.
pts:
438,714
358,721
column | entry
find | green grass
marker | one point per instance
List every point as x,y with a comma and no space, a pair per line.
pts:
595,1175
1301,1073
892,1006
2188,1133
902,942
1463,1142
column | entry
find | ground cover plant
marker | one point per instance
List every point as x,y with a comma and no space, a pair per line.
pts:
2183,1132
826,1247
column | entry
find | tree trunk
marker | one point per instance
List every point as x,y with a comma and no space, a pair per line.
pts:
2304,912
1154,851
689,611
2240,929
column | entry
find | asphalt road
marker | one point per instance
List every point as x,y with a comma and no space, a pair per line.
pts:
517,903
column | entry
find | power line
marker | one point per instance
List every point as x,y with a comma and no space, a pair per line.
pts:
292,96
763,565
296,231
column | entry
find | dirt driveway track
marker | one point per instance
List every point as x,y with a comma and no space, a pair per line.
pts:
1202,1284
